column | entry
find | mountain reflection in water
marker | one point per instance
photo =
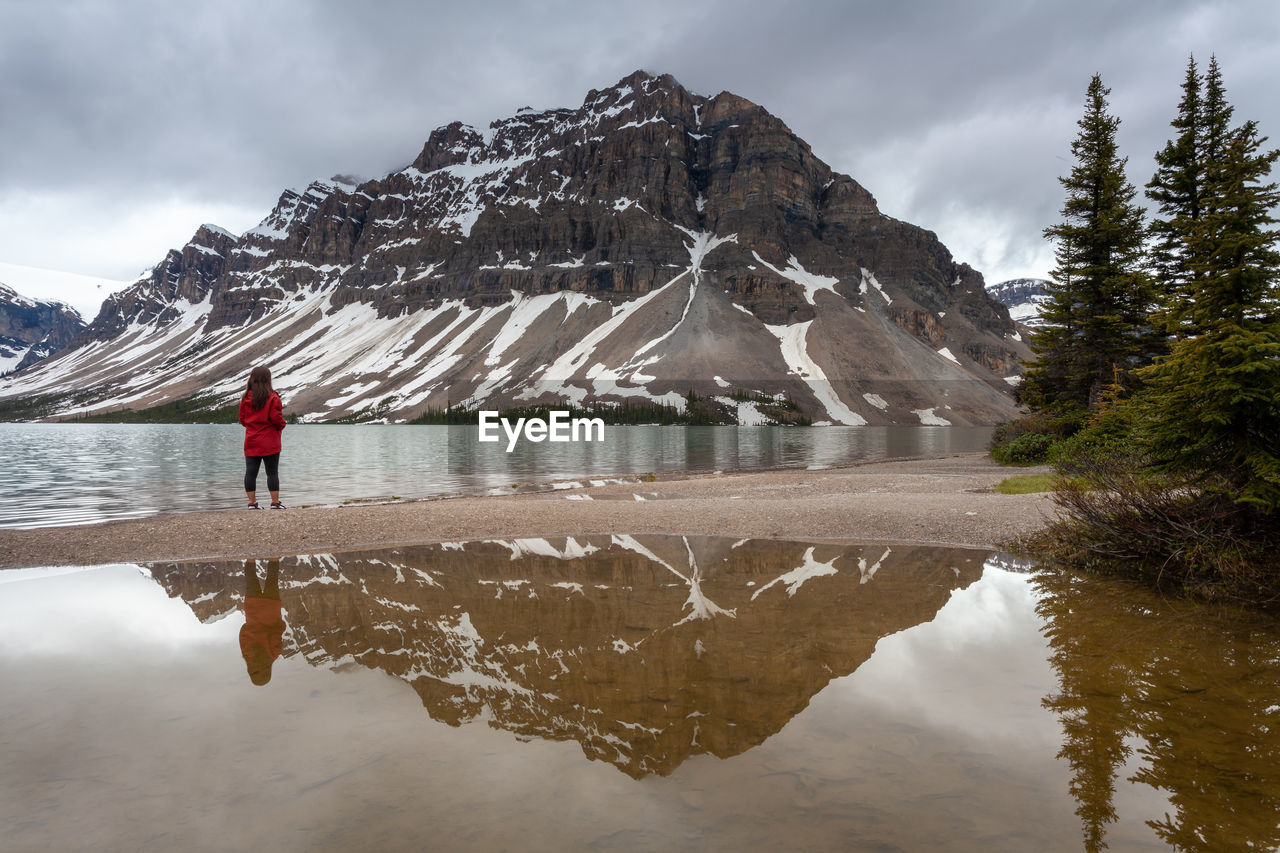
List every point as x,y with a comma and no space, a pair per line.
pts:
754,695
646,650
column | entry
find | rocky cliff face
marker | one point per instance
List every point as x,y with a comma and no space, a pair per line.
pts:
646,650
646,243
31,329
184,277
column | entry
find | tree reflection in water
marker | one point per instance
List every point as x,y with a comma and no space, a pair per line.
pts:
1191,693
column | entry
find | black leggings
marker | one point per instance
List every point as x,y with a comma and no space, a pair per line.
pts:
251,464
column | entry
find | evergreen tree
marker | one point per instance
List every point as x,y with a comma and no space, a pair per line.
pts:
1233,248
1099,297
1217,114
1178,468
1179,189
1176,188
1213,408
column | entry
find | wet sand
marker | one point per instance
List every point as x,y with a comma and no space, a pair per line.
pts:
945,500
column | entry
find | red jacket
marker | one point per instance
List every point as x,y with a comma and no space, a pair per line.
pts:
262,426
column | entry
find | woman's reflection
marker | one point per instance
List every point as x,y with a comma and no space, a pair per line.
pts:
261,638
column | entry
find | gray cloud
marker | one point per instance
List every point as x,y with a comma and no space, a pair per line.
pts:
126,124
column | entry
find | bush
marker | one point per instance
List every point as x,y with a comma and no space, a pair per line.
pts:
1109,433
1034,439
1120,518
1030,448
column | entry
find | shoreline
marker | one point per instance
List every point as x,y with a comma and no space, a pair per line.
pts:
943,500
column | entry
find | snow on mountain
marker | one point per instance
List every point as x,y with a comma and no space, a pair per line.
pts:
84,293
1024,297
32,329
648,243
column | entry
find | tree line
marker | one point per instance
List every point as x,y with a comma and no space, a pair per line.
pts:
1156,384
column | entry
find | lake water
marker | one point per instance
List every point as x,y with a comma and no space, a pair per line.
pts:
83,473
630,693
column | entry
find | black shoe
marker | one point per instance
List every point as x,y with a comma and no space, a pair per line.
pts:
254,505
277,506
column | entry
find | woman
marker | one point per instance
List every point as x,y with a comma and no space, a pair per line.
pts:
262,415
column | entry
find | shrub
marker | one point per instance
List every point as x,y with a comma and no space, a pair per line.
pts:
1030,448
1033,439
1120,518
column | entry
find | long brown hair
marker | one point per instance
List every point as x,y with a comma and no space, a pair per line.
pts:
259,388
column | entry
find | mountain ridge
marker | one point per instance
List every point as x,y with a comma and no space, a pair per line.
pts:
1024,297
33,329
648,243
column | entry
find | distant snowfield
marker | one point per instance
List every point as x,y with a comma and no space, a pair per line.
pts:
84,293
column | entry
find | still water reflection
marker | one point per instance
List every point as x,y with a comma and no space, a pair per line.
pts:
84,473
636,692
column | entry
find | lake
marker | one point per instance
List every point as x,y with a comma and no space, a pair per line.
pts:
84,473
630,693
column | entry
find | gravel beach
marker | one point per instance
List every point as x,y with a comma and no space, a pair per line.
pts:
944,500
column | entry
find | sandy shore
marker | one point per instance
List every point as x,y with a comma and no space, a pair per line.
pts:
945,500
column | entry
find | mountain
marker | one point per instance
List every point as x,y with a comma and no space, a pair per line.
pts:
1024,298
84,293
33,329
646,244
646,650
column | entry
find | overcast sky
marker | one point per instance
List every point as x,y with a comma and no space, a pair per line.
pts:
125,125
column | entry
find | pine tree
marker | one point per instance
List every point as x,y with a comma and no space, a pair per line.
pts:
1099,297
1233,249
1176,188
1217,114
1213,405
1179,472
1179,189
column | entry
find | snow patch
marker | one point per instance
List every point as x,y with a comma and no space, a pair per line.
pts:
791,340
876,400
750,415
928,418
868,277
524,311
796,578
868,572
811,282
